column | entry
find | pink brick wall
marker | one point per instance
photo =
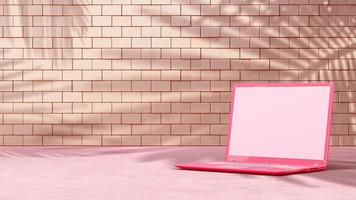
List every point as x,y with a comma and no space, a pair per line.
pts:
159,72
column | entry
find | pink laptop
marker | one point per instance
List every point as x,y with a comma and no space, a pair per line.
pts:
276,129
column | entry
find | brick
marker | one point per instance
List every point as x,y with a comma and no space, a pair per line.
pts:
218,129
32,140
170,75
121,21
191,32
141,43
269,10
199,129
151,97
141,129
239,42
131,118
91,140
121,85
12,96
190,118
347,140
6,129
161,20
210,10
220,53
220,86
220,107
111,10
92,118
13,32
210,140
92,75
121,42
82,107
111,140
121,129
170,140
131,140
101,42
72,96
190,9
91,53
102,129
161,86
131,32
72,140
190,140
13,140
210,32
151,140
230,75
131,10
101,20
180,21
161,107
32,10
151,53
52,140
110,32
161,42
190,97
170,118
249,53
23,129
170,10
80,129
141,21
309,10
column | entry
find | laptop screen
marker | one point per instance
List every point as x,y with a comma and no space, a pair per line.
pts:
280,121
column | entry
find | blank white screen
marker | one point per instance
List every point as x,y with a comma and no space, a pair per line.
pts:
282,122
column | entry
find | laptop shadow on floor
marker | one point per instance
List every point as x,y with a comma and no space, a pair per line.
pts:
341,167
337,172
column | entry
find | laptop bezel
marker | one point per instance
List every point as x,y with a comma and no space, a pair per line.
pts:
319,163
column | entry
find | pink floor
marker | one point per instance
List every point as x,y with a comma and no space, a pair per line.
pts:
148,173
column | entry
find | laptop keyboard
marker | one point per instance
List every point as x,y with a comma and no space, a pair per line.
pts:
262,165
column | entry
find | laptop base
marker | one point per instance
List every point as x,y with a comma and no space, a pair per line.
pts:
206,166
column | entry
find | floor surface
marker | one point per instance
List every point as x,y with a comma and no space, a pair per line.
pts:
105,173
